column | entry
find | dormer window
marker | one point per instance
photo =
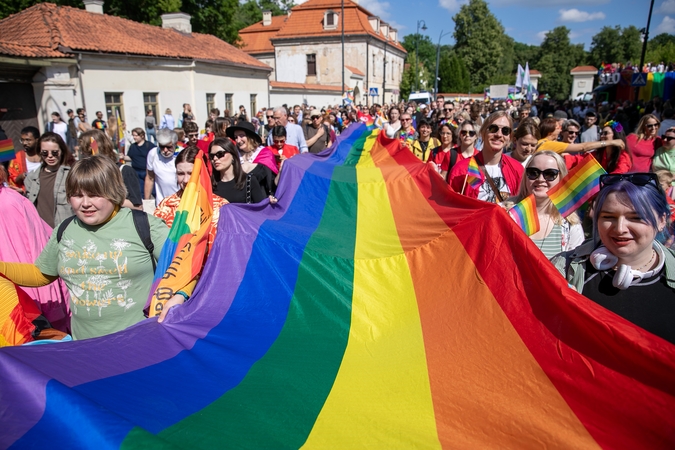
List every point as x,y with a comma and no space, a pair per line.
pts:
330,19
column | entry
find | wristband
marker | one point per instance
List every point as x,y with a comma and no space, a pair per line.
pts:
185,296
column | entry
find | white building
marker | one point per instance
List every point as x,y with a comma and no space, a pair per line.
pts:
305,50
55,58
582,80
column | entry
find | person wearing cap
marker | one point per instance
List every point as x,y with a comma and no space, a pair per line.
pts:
589,133
256,160
316,133
295,135
550,128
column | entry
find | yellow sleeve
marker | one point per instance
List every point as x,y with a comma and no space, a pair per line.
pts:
190,287
25,274
554,146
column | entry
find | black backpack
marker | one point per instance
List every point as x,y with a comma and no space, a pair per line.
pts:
141,223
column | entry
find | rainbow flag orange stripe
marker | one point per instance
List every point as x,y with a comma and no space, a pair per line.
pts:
7,152
370,308
580,184
525,215
185,249
474,176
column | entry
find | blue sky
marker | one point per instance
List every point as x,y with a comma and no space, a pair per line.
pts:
527,20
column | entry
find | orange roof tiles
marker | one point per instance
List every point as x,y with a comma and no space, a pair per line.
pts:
355,71
257,37
313,87
47,30
534,72
306,20
584,69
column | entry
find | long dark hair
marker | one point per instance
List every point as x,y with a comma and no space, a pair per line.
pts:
613,152
66,159
239,175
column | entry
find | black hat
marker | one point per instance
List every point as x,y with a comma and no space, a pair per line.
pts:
246,127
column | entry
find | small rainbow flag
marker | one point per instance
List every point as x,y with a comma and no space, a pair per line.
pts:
94,146
7,150
473,175
580,184
525,215
185,249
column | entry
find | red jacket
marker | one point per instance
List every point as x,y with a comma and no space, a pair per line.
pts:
511,169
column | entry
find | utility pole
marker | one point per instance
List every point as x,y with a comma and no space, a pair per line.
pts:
644,45
438,59
417,44
384,70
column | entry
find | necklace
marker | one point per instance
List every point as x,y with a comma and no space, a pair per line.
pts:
649,262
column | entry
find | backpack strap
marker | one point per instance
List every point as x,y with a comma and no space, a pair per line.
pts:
142,224
62,227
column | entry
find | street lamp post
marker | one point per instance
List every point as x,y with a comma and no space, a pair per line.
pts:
417,44
644,45
438,60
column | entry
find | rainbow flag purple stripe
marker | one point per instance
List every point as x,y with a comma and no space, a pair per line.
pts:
525,215
580,184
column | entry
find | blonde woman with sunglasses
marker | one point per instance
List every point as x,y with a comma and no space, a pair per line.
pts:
644,142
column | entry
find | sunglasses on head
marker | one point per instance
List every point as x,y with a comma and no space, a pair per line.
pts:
549,174
506,131
46,153
469,132
638,179
218,155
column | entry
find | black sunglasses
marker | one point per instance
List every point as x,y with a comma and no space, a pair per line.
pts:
668,138
549,174
638,179
166,146
506,131
46,153
573,132
469,132
652,125
217,155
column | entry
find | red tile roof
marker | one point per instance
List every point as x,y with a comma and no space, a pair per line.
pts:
355,71
534,72
584,69
257,38
304,86
47,30
306,20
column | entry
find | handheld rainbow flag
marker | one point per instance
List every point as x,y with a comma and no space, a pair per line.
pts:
120,130
580,184
525,215
185,249
321,322
17,311
94,146
7,152
473,175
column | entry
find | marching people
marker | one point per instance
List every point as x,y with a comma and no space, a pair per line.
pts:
644,142
160,168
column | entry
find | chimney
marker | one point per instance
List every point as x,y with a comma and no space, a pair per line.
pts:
267,18
178,21
93,6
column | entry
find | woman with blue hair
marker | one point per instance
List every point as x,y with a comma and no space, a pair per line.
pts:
625,268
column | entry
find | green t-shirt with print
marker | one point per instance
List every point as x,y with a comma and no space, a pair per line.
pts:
107,270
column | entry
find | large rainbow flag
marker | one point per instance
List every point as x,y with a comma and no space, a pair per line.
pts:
370,308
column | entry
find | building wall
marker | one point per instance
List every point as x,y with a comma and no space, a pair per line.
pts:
292,97
581,84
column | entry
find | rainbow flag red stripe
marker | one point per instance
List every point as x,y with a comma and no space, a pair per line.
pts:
17,311
473,174
185,249
525,215
580,184
370,308
7,152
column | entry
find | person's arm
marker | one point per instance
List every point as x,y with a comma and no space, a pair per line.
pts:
590,146
149,183
311,141
302,144
25,274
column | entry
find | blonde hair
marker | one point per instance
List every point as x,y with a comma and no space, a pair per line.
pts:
492,118
550,209
97,176
642,125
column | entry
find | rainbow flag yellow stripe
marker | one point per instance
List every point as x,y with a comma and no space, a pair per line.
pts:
7,152
525,215
580,184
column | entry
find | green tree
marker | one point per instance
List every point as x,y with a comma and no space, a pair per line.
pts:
559,56
250,12
616,44
661,39
479,40
525,53
631,44
453,74
427,54
408,78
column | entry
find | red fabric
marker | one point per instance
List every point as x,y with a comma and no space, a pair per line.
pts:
203,144
623,165
442,159
289,151
642,151
17,166
18,326
511,169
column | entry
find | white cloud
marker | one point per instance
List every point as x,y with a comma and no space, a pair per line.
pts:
574,15
378,8
541,36
451,5
667,25
667,7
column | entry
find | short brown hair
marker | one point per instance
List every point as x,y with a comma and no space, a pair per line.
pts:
548,126
190,127
97,176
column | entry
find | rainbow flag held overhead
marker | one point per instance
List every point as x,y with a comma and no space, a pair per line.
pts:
371,307
525,215
473,174
185,249
7,152
580,184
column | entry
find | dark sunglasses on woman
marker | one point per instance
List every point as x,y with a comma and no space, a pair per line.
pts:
549,174
469,132
506,131
638,179
217,155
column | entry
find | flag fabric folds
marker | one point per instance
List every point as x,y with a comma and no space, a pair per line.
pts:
580,184
185,249
519,76
7,152
473,174
370,307
525,215
16,314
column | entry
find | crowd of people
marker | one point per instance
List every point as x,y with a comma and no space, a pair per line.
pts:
89,187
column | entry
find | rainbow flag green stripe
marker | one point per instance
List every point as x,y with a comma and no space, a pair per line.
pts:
371,307
580,184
